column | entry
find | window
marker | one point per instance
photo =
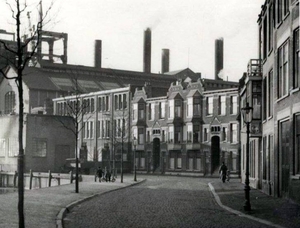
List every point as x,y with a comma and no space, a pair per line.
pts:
92,105
162,110
224,133
196,133
205,134
282,9
270,94
2,147
13,147
39,147
10,102
177,137
215,129
163,136
222,105
233,105
265,48
264,111
116,102
189,109
156,131
271,24
209,105
175,161
171,134
233,133
91,129
134,113
196,106
141,111
256,102
120,102
296,58
283,70
124,101
99,104
151,111
141,136
178,107
171,109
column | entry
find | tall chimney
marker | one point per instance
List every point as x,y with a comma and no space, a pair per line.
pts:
165,60
219,45
98,53
147,51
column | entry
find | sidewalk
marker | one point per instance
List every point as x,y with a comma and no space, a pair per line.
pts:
43,206
267,209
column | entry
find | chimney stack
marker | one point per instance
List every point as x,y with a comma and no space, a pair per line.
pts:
165,60
219,46
98,53
147,51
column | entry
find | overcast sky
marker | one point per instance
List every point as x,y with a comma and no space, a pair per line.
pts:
187,27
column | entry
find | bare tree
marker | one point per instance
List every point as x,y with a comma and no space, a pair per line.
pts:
75,106
23,54
121,136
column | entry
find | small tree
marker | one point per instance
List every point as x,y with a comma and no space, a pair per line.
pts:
120,136
23,54
75,106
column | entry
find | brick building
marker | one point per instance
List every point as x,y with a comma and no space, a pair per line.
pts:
275,163
190,130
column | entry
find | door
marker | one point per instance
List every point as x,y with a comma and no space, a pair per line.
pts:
215,153
156,153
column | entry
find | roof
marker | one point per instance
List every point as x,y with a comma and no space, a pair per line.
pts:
65,77
184,73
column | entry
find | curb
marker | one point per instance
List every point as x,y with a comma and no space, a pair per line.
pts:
241,214
63,211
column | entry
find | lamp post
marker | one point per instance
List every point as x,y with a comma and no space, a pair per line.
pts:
134,162
247,117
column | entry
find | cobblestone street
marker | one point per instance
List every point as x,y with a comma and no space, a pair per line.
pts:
158,202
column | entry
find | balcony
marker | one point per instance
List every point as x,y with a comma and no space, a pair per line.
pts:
254,68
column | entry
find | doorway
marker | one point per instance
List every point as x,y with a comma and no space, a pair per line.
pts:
156,153
215,153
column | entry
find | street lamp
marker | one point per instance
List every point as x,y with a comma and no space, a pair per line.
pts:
247,117
134,162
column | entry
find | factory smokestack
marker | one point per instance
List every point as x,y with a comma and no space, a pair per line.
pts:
219,46
98,53
165,60
147,51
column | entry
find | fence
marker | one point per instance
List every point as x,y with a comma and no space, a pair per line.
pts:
34,180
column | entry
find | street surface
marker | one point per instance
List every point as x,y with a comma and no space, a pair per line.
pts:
161,201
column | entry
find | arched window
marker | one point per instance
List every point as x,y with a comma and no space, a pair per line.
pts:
10,102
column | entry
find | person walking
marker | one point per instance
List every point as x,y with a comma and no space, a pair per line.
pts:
107,176
223,171
99,173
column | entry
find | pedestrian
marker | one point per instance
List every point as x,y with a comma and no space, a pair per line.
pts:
228,174
107,176
99,173
223,171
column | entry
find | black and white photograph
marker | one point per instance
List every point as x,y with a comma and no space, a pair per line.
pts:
149,113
